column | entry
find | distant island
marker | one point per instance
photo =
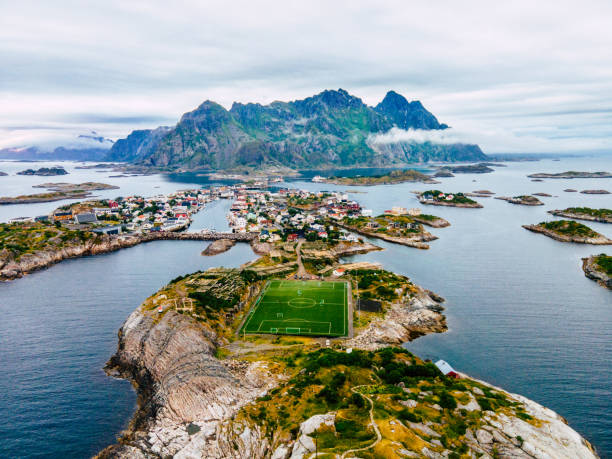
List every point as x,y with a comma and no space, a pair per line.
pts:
572,175
524,200
397,176
57,192
45,171
3,174
595,192
599,268
438,198
585,213
569,231
480,168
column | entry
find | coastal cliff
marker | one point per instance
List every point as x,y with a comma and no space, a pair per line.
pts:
194,401
593,270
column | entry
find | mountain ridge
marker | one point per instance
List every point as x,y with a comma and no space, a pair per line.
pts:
330,129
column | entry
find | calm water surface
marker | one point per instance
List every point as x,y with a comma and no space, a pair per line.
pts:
520,312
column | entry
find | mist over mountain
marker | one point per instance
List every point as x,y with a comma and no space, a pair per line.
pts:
330,129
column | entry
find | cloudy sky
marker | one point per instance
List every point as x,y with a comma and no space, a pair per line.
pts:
521,76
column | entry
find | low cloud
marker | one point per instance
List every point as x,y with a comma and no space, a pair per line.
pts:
397,135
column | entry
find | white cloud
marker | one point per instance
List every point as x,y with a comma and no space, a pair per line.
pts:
479,66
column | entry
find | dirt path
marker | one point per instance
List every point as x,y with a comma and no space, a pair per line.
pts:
302,273
374,425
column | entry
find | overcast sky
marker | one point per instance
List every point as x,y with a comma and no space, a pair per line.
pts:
520,76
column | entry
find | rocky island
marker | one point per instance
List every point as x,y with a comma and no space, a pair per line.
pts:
58,192
571,175
206,389
569,231
599,268
595,192
397,176
438,198
218,246
524,200
480,168
45,171
585,213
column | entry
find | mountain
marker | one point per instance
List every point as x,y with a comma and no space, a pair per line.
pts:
330,129
140,144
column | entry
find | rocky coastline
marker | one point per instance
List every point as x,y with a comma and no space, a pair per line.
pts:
188,398
438,222
580,216
592,271
12,269
598,240
522,200
467,205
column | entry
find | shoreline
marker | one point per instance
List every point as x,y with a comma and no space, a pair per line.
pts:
29,263
579,216
591,272
601,240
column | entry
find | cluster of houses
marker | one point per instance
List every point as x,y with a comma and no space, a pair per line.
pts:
439,197
170,212
274,216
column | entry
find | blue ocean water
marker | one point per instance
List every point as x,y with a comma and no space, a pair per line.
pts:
521,314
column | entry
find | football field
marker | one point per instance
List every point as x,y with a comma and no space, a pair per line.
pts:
300,308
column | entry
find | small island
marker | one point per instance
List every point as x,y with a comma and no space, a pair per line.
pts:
480,168
45,171
57,192
438,198
3,174
595,192
571,175
569,231
585,213
397,176
523,200
599,269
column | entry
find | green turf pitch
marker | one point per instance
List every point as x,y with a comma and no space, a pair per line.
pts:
300,308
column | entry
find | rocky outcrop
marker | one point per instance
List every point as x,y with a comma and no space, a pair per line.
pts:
575,214
438,222
592,271
546,436
184,392
417,316
218,246
524,200
596,240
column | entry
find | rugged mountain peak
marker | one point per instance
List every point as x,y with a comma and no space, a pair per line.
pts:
209,112
406,115
326,101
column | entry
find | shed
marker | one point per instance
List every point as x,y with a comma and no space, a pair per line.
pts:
446,369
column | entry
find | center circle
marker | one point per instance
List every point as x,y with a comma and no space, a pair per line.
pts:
301,302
